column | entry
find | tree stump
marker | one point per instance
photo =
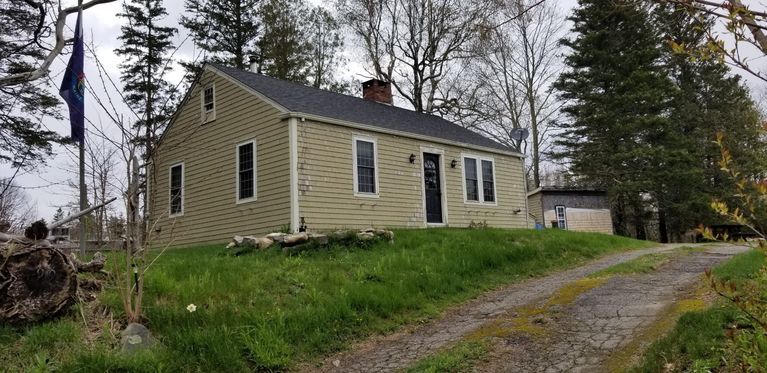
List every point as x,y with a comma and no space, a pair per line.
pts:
37,282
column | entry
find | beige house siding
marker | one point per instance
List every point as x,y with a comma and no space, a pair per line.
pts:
208,151
326,187
584,220
535,204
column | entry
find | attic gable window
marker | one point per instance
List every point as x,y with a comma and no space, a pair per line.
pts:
246,171
176,190
479,180
365,166
208,102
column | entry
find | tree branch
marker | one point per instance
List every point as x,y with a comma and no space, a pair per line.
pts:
61,21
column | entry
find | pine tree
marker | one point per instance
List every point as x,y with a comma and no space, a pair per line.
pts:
25,143
284,46
227,30
617,96
146,46
710,100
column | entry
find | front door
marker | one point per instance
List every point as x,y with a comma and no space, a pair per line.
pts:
432,188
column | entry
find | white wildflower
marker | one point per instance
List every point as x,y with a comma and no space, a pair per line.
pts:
191,308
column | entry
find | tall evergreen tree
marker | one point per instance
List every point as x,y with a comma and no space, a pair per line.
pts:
710,100
284,47
227,30
146,45
618,96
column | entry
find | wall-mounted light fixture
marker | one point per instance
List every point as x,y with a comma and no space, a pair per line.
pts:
453,163
412,158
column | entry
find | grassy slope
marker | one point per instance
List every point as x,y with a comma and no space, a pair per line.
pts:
268,311
694,343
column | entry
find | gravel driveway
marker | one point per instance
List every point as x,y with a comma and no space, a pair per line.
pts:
577,334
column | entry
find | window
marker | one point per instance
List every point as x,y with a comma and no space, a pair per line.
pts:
176,186
365,172
561,217
488,183
208,103
479,179
246,171
472,185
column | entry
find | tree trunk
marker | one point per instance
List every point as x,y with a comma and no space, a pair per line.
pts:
37,281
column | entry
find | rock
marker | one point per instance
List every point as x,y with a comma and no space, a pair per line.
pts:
237,240
277,237
295,239
366,236
135,337
320,239
368,230
231,244
264,242
249,241
389,235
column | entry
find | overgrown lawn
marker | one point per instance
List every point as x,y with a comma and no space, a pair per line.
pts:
268,311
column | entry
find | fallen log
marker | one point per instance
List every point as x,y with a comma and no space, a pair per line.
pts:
37,282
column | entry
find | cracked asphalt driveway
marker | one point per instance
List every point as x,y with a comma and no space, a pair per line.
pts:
580,334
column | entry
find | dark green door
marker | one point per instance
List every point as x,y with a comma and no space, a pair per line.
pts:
432,188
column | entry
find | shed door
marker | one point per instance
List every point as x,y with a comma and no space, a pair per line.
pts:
432,188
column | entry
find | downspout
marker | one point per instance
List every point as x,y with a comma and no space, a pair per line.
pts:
293,147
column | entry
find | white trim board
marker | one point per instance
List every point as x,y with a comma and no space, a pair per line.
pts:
293,147
237,198
355,181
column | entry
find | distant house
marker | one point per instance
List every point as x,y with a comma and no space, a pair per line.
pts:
250,154
571,208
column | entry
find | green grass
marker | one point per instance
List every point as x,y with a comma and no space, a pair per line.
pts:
458,358
695,343
644,264
268,311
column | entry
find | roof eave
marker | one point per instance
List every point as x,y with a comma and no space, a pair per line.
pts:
339,122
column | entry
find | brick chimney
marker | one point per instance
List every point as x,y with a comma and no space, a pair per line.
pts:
377,90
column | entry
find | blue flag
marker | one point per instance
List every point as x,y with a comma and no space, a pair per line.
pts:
73,85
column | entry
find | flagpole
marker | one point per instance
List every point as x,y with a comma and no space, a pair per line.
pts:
83,191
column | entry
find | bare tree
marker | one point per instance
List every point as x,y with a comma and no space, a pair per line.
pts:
15,209
512,74
414,44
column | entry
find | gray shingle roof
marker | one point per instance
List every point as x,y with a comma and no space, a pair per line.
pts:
299,98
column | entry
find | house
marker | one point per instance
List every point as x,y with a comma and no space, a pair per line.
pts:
250,154
572,208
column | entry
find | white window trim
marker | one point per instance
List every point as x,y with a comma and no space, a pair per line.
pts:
480,184
183,189
237,198
208,115
564,215
442,186
355,181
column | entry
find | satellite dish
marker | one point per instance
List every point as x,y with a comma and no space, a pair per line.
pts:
520,134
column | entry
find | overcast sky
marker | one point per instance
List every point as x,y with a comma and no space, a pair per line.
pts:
48,186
